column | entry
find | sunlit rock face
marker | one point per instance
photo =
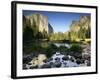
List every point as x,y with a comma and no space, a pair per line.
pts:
84,22
80,28
75,26
38,21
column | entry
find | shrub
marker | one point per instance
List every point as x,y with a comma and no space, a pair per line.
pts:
54,47
76,48
76,51
50,50
63,49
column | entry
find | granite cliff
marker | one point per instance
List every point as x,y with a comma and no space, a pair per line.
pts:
80,29
39,22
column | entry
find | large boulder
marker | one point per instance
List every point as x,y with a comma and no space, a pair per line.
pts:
46,66
57,64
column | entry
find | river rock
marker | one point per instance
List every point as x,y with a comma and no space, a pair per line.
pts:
46,66
57,64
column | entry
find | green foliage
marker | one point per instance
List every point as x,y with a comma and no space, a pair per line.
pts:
39,35
76,51
63,49
27,34
82,33
76,48
54,46
33,47
58,36
50,50
44,34
41,47
88,33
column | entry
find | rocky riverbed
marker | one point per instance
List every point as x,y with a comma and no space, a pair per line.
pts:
57,60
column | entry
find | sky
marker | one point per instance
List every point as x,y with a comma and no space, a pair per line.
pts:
60,21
